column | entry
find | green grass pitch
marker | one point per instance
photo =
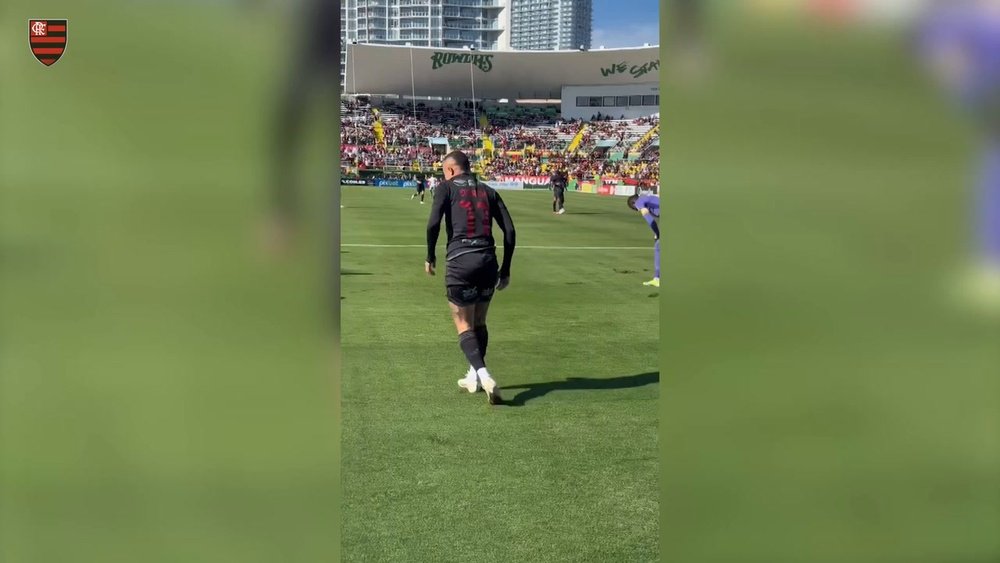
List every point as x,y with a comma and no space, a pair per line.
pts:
432,473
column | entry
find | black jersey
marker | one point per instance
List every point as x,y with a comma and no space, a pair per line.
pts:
559,181
469,209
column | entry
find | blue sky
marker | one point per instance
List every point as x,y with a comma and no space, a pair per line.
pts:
626,23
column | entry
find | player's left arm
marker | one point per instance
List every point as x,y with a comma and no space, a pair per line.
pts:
434,228
502,216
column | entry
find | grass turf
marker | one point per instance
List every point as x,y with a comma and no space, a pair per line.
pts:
571,473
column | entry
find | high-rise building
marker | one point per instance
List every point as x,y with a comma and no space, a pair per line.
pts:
543,25
479,24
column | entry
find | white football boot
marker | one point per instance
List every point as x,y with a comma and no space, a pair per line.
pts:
490,386
470,382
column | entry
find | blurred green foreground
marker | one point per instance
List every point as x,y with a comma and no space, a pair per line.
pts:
825,396
165,391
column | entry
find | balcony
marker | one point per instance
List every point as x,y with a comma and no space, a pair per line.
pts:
472,26
408,36
463,13
473,4
463,38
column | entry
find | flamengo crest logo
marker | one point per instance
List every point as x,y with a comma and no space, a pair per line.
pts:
47,39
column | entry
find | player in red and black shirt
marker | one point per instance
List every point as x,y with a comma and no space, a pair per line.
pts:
469,209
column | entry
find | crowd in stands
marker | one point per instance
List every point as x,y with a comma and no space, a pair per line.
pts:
356,122
377,157
525,142
645,170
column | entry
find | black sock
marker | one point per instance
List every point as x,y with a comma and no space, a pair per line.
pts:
470,346
554,203
483,335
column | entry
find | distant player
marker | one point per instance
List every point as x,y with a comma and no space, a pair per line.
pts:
432,183
649,206
469,209
559,181
961,43
421,188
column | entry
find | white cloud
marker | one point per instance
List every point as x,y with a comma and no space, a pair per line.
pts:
631,35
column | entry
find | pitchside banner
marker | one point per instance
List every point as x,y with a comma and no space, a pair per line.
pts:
529,182
498,185
381,183
355,182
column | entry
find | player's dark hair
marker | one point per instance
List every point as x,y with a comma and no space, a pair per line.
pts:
460,159
631,201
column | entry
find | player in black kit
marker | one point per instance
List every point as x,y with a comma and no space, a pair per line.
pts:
421,188
559,181
472,274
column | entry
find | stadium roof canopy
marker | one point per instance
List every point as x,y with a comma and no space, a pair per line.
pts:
460,73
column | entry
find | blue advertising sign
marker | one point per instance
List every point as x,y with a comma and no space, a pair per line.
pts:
382,183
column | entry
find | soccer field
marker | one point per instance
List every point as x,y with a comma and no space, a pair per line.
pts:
569,472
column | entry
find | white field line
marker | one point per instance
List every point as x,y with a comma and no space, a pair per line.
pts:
650,247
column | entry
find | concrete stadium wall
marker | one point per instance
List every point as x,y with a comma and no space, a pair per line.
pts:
570,95
515,75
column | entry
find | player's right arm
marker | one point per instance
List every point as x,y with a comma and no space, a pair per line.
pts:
506,224
438,209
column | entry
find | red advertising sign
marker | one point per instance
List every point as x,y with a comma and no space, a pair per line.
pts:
529,182
533,180
606,189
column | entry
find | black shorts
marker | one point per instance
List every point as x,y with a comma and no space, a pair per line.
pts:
472,278
420,189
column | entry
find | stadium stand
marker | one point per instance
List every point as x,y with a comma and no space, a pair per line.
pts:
509,139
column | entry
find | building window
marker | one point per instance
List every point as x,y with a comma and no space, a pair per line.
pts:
635,100
609,101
